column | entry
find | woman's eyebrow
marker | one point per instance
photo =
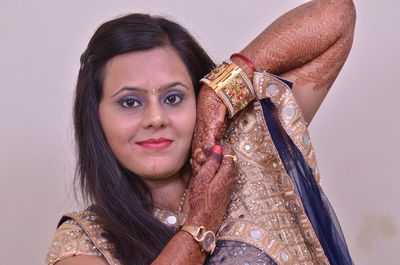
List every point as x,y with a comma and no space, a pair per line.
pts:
130,88
172,84
142,90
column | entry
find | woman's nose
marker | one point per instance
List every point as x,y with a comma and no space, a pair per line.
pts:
155,116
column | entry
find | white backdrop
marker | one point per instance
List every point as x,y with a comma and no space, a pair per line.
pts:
354,133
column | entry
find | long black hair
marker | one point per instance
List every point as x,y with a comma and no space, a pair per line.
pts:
120,199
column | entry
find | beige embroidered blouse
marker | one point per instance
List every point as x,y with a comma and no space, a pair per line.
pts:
82,235
70,240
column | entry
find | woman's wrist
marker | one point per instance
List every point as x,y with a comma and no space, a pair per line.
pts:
181,249
205,238
204,221
232,85
244,65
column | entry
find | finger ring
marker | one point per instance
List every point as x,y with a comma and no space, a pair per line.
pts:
198,149
234,157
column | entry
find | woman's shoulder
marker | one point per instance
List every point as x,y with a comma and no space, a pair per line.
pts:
77,234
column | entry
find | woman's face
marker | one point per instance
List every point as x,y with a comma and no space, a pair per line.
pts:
148,112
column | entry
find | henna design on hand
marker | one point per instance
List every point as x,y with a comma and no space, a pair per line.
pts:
211,190
308,45
210,125
209,196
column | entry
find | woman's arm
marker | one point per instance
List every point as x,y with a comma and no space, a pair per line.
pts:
210,193
308,45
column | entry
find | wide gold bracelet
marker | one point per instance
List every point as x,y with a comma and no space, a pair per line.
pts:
232,86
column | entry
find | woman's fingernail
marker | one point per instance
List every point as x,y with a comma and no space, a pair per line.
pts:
217,149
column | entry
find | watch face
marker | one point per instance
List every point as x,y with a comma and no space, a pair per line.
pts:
209,241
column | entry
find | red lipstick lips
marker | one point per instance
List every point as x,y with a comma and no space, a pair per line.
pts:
155,144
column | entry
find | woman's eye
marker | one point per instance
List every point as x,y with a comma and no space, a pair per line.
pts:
130,103
173,99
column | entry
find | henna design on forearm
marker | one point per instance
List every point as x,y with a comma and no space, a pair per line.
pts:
302,35
322,71
181,249
309,46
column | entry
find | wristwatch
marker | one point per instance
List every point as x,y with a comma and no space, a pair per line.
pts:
205,238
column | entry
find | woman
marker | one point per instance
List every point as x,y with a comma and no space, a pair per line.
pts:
134,119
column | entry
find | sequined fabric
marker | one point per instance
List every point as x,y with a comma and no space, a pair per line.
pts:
81,235
70,240
265,212
238,253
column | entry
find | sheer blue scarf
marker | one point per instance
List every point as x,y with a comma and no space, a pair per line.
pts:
317,207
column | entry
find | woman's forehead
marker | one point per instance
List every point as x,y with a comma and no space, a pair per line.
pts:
148,69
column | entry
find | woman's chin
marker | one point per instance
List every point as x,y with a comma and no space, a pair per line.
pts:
160,171
158,168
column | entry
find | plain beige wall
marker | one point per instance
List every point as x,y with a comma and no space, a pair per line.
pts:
355,133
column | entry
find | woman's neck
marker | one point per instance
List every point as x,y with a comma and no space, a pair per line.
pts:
168,193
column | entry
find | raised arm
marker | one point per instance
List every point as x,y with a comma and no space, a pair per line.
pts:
308,46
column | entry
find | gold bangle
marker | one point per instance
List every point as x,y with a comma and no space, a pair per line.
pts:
231,85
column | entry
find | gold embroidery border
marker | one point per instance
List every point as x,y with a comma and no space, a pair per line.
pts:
293,122
70,240
268,86
87,221
240,230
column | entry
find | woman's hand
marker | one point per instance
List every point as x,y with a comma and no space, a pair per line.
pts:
211,189
210,193
210,126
